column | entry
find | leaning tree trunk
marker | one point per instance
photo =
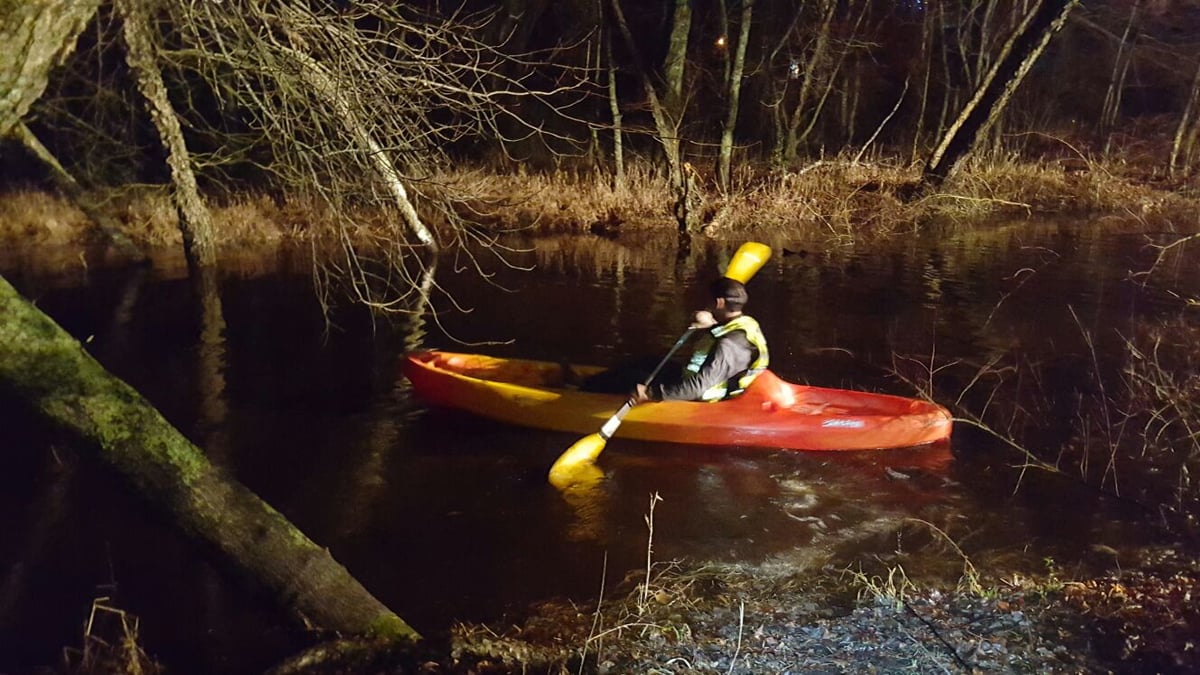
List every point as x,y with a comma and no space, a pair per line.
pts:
195,222
46,367
37,36
326,88
1016,58
70,187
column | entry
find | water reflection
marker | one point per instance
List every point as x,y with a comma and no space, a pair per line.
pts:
447,517
210,367
367,475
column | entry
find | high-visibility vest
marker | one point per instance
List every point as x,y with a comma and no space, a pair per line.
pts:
738,383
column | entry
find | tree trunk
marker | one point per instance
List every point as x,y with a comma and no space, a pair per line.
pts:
614,105
195,222
46,367
37,36
673,64
791,140
949,91
926,77
1116,84
1186,132
667,119
1011,66
725,159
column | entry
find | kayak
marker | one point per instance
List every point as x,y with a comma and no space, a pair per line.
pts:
771,413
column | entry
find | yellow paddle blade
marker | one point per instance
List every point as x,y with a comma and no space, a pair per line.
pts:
581,483
573,465
747,260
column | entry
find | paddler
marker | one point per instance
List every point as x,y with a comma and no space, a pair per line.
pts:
729,354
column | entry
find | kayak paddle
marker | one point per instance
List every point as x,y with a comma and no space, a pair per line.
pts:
572,466
567,468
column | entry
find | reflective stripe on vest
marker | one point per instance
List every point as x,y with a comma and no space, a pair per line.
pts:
723,390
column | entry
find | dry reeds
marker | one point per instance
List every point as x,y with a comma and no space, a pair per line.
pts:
836,200
41,219
110,644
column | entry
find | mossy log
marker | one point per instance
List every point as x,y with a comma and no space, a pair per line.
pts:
47,367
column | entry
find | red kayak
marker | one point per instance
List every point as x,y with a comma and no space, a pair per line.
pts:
771,413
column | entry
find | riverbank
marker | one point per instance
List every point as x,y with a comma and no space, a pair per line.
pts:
764,619
838,200
750,619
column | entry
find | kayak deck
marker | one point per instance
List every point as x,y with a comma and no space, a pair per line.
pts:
771,413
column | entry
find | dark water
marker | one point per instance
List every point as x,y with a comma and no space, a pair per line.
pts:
449,518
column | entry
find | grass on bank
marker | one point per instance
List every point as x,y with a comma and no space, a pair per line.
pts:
838,198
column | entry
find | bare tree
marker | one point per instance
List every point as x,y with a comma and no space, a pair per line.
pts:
815,55
925,65
667,107
1121,63
39,36
357,108
1022,49
614,106
809,70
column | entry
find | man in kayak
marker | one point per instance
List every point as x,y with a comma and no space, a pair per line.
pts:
731,352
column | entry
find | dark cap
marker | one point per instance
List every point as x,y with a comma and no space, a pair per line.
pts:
732,291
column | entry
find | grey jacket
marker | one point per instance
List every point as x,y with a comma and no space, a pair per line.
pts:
731,355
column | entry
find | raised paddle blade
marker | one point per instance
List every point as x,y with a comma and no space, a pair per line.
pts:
577,461
747,260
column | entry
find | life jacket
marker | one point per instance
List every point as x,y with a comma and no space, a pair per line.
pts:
738,383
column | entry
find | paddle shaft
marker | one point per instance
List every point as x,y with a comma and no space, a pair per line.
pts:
610,427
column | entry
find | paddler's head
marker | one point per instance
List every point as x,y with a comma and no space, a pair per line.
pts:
729,296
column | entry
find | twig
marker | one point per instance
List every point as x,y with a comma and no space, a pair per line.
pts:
990,200
933,629
654,499
741,625
596,617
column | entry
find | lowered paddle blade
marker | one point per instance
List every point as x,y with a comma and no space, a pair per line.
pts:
575,465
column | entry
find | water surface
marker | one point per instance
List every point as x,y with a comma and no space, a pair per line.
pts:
446,517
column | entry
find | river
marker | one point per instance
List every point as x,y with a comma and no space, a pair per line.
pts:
447,518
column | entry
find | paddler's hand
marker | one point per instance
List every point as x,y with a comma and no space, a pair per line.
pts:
703,319
639,395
